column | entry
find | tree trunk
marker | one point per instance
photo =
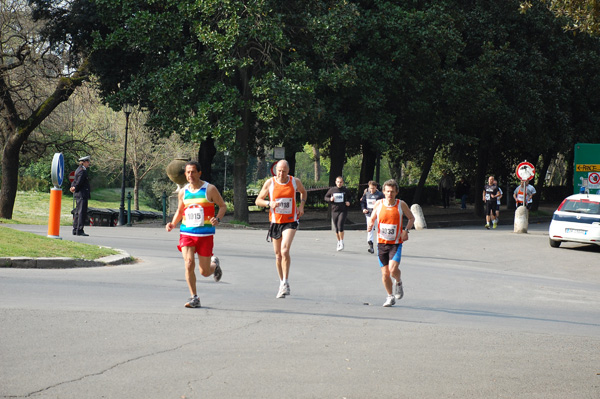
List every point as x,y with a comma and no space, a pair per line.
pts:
570,170
367,166
10,176
206,154
291,158
240,153
395,165
261,165
136,192
240,164
425,168
480,171
317,162
337,155
547,158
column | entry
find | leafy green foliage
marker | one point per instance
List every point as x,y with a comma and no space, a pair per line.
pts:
471,86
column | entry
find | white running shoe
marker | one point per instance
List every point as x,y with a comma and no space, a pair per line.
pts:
339,246
193,302
390,301
281,292
218,273
398,290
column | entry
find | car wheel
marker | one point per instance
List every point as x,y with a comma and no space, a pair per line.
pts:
554,243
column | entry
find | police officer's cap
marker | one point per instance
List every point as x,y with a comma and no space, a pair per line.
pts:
83,159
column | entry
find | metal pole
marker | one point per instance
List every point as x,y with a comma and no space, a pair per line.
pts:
122,207
129,209
225,178
164,207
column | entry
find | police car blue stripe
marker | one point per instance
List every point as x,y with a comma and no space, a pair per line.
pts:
575,219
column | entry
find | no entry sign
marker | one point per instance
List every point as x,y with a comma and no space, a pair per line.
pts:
72,177
525,171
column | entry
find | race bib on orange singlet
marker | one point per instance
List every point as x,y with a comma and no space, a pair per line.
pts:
520,197
194,216
338,197
371,203
388,231
285,206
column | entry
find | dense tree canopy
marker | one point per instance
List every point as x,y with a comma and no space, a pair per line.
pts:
480,81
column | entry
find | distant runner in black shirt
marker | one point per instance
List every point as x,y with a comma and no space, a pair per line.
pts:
371,195
490,192
339,199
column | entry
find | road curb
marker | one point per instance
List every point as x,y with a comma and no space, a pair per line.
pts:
23,262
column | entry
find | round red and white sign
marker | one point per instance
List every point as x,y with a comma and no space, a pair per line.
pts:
273,168
525,171
594,178
72,177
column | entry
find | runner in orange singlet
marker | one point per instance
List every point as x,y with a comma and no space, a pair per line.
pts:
283,215
388,213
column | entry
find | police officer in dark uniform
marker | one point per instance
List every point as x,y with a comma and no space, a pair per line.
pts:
81,192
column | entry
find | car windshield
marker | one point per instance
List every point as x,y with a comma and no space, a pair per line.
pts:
582,206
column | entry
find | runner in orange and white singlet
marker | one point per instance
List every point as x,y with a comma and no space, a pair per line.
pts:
388,213
524,194
283,215
196,211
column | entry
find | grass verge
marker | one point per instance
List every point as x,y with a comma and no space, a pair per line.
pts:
33,207
18,243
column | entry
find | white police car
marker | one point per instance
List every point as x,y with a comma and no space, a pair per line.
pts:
577,219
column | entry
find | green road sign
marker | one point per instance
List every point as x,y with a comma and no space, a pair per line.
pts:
586,171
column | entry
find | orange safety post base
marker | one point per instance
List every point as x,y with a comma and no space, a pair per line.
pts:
54,215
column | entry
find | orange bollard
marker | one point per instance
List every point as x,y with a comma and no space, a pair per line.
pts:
54,215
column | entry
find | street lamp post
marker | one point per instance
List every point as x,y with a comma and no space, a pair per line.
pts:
127,109
226,153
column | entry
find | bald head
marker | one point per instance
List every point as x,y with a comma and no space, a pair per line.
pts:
282,169
283,164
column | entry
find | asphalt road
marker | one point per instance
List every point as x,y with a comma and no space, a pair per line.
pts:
486,314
